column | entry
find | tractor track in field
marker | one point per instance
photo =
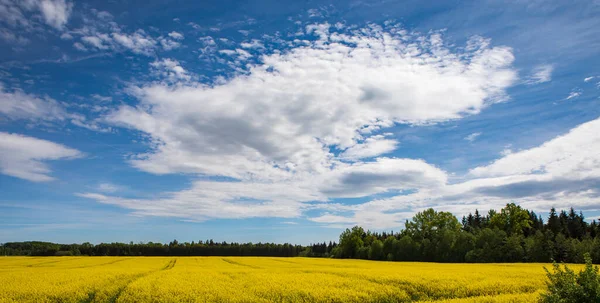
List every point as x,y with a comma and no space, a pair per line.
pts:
115,297
101,264
284,261
42,264
240,264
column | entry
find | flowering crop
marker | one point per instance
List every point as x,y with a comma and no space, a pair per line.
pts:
261,279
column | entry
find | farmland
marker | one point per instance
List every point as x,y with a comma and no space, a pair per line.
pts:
261,279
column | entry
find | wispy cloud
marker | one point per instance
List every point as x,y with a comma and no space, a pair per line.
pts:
540,74
109,187
472,137
23,157
574,94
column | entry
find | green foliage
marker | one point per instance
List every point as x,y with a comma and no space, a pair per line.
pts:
513,219
430,223
512,234
351,241
376,250
565,286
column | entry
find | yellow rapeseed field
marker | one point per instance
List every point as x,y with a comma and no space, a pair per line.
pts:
261,279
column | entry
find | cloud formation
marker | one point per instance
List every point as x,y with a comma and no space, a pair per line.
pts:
24,157
562,172
307,125
472,137
101,33
170,70
283,116
55,13
20,105
541,74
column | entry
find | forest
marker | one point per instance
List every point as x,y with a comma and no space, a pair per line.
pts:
512,234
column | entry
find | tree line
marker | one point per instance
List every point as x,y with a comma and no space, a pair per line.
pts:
512,234
173,248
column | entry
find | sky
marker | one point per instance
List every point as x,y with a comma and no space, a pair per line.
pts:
289,121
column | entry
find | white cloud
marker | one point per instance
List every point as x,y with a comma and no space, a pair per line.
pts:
109,188
23,157
574,154
100,33
13,38
220,200
176,35
289,110
168,44
80,47
371,147
541,74
55,13
138,42
385,174
472,137
19,105
562,172
171,70
255,44
573,94
102,98
588,79
275,128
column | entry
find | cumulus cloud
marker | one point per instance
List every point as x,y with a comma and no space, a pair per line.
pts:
371,147
170,70
20,105
297,128
562,172
100,33
176,35
55,13
385,174
24,157
573,155
289,110
540,74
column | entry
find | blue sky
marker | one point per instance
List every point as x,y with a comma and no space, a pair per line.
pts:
289,121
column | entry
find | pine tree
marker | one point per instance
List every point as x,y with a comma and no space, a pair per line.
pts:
553,222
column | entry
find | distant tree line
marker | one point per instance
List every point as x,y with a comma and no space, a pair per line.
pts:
174,248
512,235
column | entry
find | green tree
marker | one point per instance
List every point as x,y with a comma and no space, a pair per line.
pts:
429,224
389,245
376,250
513,249
406,249
512,219
351,241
